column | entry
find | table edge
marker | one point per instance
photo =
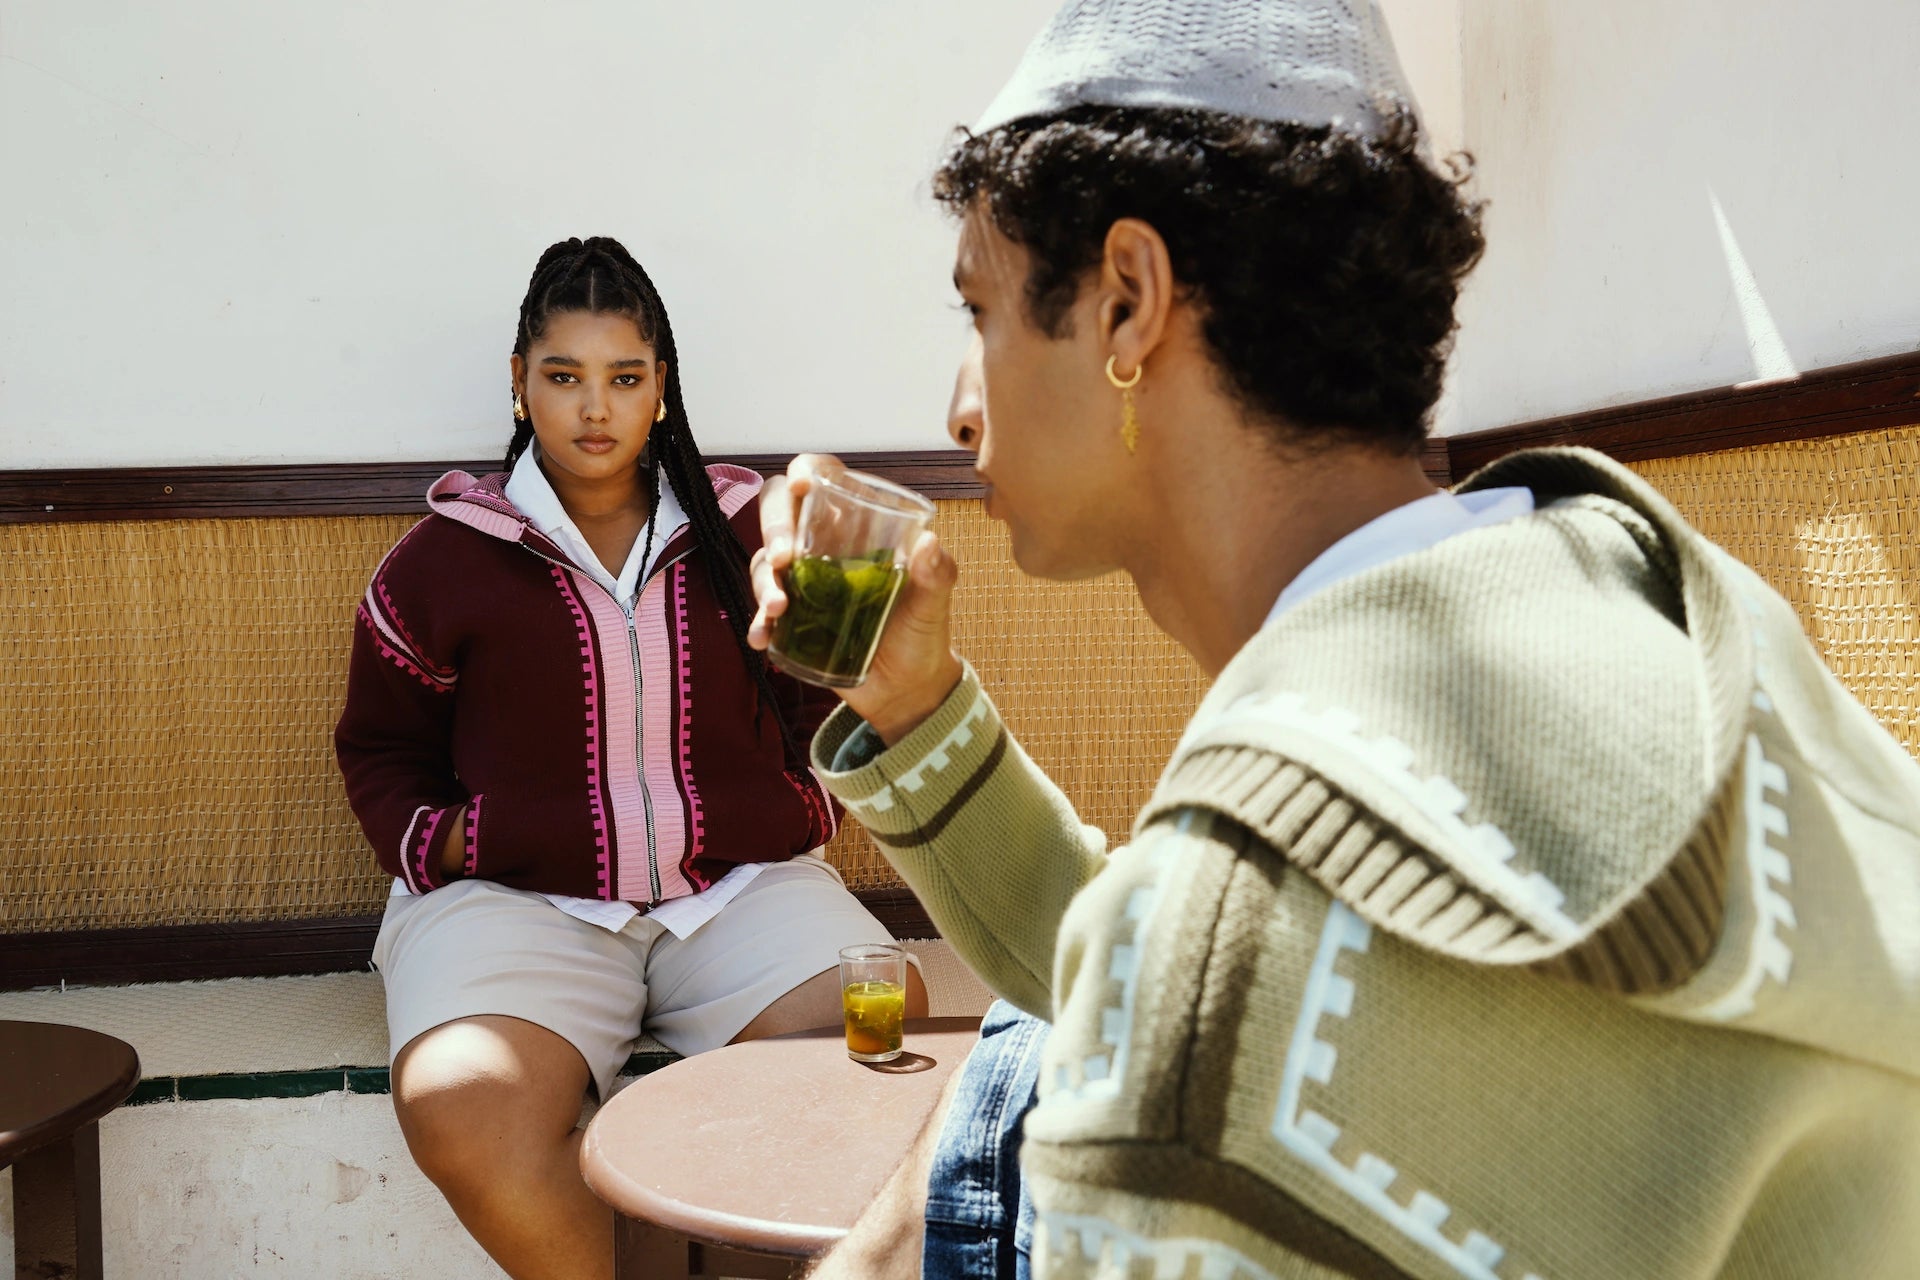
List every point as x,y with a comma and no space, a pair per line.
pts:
15,1143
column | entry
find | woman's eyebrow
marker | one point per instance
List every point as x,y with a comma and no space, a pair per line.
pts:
632,362
567,361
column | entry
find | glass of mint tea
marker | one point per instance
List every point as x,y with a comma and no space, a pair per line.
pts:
850,554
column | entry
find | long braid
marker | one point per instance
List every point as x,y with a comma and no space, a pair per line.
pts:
569,276
533,314
727,563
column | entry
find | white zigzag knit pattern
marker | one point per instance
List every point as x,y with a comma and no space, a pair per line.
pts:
1310,1136
1101,1072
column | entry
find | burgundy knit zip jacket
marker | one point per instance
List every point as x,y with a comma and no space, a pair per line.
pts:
598,755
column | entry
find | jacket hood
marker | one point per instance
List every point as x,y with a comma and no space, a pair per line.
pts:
1589,742
481,503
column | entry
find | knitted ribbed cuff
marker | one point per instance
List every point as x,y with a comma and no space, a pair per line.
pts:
918,774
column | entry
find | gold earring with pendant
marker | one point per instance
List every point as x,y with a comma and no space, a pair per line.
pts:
1129,417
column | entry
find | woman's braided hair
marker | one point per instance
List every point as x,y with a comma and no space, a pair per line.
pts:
600,277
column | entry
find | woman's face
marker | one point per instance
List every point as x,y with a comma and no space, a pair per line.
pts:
591,385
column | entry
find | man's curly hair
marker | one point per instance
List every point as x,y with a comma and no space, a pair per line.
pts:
1325,265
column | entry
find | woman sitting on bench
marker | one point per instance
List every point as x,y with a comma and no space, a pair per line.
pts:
594,796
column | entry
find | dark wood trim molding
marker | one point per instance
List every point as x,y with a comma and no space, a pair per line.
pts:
355,489
265,948
1871,395
181,953
1867,396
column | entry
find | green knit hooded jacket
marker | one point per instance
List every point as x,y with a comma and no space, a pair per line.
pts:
1536,907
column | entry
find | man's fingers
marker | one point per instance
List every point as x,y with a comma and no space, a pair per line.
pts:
772,601
777,510
807,465
930,566
931,574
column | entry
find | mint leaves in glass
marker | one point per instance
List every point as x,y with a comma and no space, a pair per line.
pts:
850,552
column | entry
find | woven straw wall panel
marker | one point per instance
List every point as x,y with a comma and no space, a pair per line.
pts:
170,687
1834,526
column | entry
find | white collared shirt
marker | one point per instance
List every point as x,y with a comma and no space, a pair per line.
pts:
532,495
1417,525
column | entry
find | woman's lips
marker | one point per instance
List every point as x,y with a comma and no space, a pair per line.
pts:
595,444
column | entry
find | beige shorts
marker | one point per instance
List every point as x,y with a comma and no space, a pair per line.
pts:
475,948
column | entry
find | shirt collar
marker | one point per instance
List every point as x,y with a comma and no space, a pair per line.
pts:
532,495
1415,526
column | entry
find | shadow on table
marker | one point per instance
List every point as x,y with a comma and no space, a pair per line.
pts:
906,1064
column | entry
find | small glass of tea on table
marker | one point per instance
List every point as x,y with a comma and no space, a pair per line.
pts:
873,995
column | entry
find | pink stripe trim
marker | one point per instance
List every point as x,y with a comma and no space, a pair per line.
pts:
628,816
398,658
401,646
683,738
391,621
406,846
806,785
659,676
473,834
833,819
590,676
426,843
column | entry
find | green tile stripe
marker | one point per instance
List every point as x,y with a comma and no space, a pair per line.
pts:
307,1084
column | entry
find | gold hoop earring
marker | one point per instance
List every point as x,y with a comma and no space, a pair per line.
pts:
660,414
1129,418
519,410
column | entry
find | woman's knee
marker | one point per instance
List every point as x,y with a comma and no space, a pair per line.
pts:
474,1103
916,993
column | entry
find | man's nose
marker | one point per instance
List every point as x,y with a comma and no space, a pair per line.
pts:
966,413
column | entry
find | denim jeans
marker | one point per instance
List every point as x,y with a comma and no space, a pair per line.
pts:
979,1215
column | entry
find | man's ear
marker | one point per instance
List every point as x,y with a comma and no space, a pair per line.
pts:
1136,280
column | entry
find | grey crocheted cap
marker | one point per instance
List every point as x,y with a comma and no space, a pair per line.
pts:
1309,62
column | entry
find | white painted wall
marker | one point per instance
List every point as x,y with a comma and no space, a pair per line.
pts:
1426,35
1605,133
235,231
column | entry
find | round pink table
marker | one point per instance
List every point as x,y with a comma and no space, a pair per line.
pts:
757,1157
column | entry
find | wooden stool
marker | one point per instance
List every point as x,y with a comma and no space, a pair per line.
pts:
753,1159
55,1084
